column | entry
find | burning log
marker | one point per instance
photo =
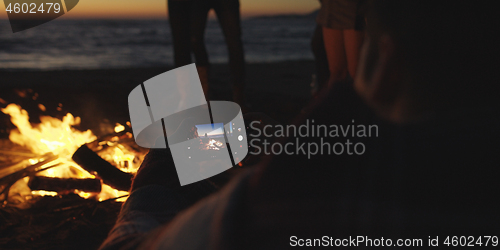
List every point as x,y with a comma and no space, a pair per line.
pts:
7,181
64,184
109,174
16,153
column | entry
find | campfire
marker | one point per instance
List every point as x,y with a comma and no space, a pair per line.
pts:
54,158
57,182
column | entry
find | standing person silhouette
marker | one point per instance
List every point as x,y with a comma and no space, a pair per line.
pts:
343,32
320,59
179,15
228,15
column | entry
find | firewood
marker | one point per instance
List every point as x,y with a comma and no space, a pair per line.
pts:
109,174
7,181
64,184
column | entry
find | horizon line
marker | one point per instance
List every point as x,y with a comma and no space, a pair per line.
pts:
211,17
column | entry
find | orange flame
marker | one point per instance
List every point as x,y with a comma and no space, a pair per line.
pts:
60,138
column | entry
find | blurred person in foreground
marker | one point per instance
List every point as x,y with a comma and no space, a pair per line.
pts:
427,69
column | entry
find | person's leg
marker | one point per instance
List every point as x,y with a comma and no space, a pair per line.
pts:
318,49
335,52
228,14
353,40
198,24
179,13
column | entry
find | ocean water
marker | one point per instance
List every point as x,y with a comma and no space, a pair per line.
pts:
100,44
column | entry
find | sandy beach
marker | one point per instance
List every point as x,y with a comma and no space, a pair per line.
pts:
100,99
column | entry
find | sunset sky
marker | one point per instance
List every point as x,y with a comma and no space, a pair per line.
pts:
157,8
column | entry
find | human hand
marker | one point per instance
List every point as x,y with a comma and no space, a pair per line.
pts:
157,168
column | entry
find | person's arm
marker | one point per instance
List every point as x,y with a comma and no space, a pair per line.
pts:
156,197
215,222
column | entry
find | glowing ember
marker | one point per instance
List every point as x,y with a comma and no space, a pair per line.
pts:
119,128
41,107
60,138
